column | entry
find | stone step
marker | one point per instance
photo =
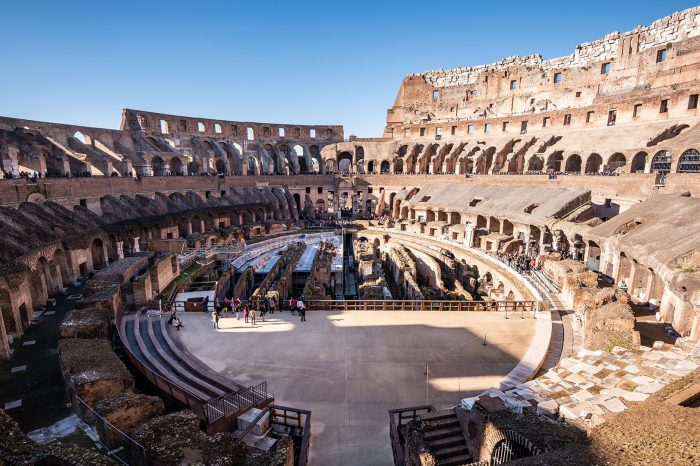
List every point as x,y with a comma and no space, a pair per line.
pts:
456,461
446,442
450,452
442,432
446,423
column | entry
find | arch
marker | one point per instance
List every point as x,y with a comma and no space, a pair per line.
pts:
272,155
480,221
330,166
297,201
507,228
616,161
80,137
494,225
370,167
344,162
253,167
301,159
8,316
315,166
442,216
554,161
594,163
661,162
97,253
398,165
573,164
484,162
158,166
429,215
384,167
175,166
689,162
639,162
193,168
536,164
316,162
220,165
455,218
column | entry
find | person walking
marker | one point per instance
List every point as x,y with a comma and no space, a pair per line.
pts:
215,318
302,311
252,316
246,312
271,305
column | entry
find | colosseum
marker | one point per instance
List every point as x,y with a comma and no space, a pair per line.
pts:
510,274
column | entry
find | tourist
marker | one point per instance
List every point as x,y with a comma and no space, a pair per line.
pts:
271,304
292,304
302,311
227,306
245,313
177,323
263,311
215,318
252,316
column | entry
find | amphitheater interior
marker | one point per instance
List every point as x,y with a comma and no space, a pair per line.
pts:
556,200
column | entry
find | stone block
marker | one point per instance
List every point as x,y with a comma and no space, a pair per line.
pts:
548,408
247,418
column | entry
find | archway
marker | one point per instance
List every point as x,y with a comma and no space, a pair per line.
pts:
594,163
220,166
689,162
344,162
554,161
253,168
158,166
573,164
536,164
639,163
193,168
384,167
297,201
370,167
398,166
661,162
97,253
616,161
175,166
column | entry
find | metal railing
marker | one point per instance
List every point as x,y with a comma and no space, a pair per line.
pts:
118,444
227,406
420,305
298,419
398,418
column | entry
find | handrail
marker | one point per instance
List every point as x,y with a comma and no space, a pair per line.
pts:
394,428
419,305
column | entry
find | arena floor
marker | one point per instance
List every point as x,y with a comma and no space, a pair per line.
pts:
350,368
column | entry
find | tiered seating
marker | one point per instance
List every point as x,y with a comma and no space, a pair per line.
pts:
148,340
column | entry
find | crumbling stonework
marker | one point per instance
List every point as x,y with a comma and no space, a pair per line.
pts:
92,370
86,323
318,284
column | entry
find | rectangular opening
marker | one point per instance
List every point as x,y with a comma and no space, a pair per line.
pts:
567,119
164,127
250,134
234,130
513,85
200,126
438,132
280,131
217,128
487,128
545,122
661,56
557,78
436,94
523,127
612,117
312,133
422,131
223,193
636,110
319,190
578,93
183,125
471,129
453,131
329,133
504,126
83,202
589,116
605,68
692,101
664,106
297,132
207,194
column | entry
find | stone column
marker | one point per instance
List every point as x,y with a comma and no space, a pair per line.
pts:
137,248
120,249
469,234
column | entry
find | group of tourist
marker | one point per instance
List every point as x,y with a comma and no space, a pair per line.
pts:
250,311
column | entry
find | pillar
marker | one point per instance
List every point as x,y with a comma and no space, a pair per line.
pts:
120,249
137,248
469,234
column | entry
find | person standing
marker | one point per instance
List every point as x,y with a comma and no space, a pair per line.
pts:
302,311
245,313
252,316
292,304
215,318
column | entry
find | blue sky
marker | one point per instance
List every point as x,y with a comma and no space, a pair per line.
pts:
303,62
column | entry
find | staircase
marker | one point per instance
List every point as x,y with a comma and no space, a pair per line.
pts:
444,436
